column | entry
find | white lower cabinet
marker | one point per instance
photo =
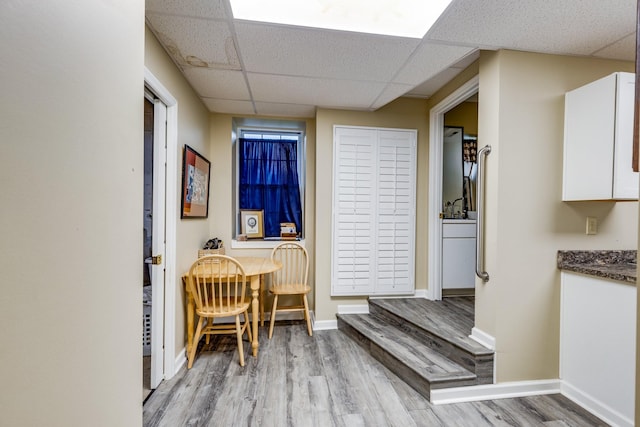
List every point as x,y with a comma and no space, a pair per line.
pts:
374,191
598,345
458,254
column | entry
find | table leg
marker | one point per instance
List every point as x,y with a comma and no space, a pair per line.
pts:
262,298
190,317
255,292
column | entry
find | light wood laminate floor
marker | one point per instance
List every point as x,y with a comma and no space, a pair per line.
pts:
325,380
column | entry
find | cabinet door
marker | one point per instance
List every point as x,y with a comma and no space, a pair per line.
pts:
625,180
588,141
458,262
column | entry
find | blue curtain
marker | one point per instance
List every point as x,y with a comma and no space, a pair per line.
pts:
269,181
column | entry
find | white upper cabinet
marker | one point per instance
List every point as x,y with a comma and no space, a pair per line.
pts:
598,140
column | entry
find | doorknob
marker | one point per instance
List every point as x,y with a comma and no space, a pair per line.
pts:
154,260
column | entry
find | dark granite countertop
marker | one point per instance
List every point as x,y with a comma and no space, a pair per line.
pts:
614,264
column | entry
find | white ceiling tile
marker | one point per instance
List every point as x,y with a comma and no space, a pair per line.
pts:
313,91
293,69
390,93
196,8
431,86
428,60
229,106
276,49
562,27
212,83
622,49
196,42
285,110
467,60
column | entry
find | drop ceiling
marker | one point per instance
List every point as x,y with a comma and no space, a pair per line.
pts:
252,68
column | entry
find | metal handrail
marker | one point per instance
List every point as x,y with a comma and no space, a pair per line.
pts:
484,151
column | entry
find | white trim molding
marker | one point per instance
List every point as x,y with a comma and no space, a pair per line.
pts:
483,338
171,220
494,391
325,325
436,138
353,309
595,406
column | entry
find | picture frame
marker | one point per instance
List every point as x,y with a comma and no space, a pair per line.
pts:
196,172
252,223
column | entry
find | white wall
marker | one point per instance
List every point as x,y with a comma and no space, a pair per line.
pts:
521,115
71,158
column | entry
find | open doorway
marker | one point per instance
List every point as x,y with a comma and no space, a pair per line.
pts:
153,256
163,305
436,172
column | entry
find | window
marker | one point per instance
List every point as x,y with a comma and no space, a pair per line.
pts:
270,175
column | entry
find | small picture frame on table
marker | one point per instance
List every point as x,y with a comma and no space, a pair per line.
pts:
251,223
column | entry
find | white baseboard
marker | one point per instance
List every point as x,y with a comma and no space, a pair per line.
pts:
353,309
325,325
181,360
483,338
596,407
421,293
494,391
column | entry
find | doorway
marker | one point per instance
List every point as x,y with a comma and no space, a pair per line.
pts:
436,149
153,270
164,360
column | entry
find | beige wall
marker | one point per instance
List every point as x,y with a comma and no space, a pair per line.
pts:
222,190
193,130
521,116
464,115
71,163
404,113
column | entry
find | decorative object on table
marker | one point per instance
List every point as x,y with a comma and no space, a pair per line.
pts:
288,231
218,285
290,280
241,237
251,223
213,246
195,184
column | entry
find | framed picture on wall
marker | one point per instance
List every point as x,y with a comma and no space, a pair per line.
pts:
195,184
251,223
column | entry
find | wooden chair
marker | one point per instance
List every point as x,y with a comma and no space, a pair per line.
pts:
290,280
218,286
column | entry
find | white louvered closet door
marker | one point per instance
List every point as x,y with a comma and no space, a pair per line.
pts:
353,211
373,211
396,205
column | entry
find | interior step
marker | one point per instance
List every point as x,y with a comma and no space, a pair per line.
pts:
426,343
415,362
444,326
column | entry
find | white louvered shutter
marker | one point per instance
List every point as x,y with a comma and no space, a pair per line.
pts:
373,211
354,214
396,212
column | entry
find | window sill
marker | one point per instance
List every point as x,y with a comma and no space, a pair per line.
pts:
260,243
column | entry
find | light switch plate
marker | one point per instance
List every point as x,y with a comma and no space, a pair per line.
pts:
592,225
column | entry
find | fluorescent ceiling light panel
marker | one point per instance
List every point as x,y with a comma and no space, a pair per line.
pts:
403,18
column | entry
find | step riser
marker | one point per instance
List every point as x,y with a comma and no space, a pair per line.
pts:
408,375
482,366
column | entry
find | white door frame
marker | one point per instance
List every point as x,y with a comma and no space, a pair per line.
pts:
158,241
436,138
170,221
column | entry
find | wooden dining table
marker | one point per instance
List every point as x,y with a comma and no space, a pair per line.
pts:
254,268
